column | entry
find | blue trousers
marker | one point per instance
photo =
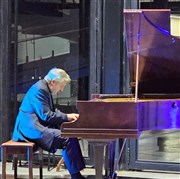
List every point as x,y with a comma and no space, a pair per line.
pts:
71,151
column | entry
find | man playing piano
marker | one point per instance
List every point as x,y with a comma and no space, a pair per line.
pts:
39,121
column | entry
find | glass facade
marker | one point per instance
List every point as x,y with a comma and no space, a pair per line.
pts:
160,148
52,34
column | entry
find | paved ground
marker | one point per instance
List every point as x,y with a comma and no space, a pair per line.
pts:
89,173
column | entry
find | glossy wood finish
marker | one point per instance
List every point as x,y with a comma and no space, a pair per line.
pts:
123,118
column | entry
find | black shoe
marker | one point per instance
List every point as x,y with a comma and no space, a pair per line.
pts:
77,176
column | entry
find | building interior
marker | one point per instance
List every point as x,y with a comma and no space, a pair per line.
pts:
93,41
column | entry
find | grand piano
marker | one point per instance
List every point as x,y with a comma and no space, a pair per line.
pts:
154,101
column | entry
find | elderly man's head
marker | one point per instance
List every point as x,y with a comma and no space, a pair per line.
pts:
57,80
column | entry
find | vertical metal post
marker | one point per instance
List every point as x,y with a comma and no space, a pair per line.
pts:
15,54
5,24
95,46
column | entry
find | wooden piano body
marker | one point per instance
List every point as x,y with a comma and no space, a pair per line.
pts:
111,118
154,68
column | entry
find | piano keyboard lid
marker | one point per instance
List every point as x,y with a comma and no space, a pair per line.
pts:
153,53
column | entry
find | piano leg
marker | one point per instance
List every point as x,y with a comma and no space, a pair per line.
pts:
106,163
98,151
111,156
99,147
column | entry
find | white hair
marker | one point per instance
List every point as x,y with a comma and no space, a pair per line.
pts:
57,74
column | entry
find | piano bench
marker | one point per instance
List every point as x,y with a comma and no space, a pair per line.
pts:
19,148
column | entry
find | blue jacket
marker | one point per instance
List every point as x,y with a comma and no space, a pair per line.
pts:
37,115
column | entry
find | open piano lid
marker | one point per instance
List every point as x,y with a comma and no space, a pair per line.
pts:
153,53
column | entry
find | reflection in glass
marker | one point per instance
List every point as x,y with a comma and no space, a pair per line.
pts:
162,148
53,34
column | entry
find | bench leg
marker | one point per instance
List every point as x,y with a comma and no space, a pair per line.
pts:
15,161
3,156
41,163
30,161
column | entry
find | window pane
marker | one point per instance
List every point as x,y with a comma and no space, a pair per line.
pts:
53,34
